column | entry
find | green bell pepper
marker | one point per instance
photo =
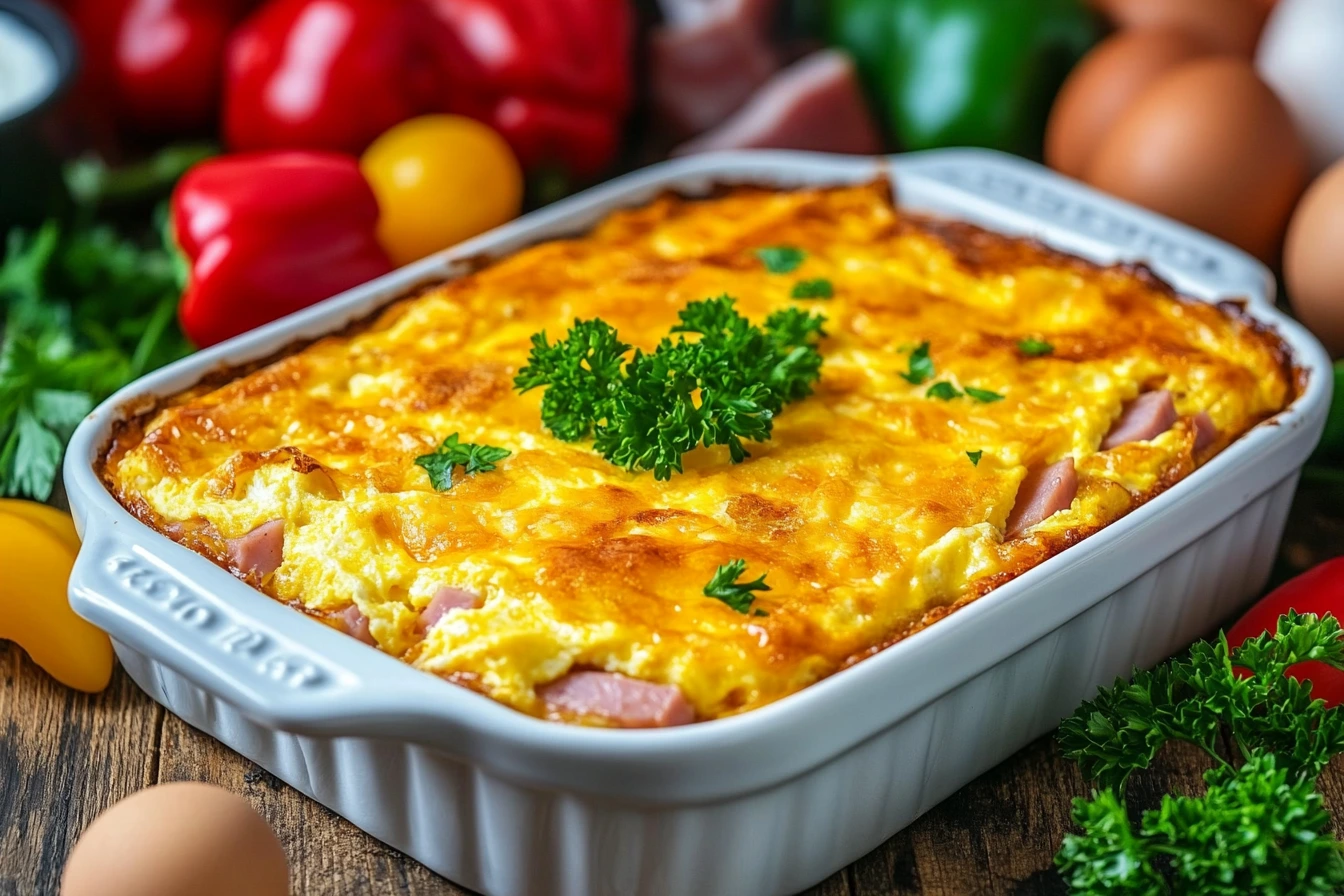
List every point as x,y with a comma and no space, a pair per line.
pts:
964,72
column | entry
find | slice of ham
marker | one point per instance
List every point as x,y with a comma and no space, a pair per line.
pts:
815,104
356,624
628,702
1144,418
1206,431
701,73
444,601
684,13
258,553
1042,494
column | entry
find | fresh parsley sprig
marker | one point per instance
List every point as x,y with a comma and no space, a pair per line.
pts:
738,595
84,312
781,259
1035,348
722,388
1257,829
472,458
1260,827
919,366
813,289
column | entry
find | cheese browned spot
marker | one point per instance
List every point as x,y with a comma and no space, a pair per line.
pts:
862,511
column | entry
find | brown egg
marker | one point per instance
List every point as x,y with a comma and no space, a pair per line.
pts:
1231,26
182,839
1313,259
1104,84
1208,144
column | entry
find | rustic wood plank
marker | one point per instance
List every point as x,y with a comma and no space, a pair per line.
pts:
64,757
328,855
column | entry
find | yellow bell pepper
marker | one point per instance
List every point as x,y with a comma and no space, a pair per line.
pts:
37,552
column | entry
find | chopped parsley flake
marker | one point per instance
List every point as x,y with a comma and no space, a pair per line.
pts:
983,395
781,259
725,587
813,289
452,453
944,391
920,368
1035,348
975,457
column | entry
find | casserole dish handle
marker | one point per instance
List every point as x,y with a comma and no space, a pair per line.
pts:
1077,218
319,685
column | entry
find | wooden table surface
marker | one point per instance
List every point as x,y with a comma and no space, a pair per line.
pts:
66,756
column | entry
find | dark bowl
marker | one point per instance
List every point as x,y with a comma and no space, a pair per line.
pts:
30,173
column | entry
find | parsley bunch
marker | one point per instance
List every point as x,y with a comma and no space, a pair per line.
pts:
644,413
84,312
1261,827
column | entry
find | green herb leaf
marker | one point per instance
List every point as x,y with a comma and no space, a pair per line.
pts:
453,453
738,595
920,365
813,289
975,457
983,395
781,259
1188,698
1035,348
724,388
943,391
1258,829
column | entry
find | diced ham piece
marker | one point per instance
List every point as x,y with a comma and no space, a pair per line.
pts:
356,624
682,13
627,702
258,553
445,600
1206,431
1144,418
816,104
1043,493
699,74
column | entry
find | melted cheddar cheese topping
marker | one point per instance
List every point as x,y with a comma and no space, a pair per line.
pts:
865,511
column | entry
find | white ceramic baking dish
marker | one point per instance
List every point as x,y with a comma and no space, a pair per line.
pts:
764,803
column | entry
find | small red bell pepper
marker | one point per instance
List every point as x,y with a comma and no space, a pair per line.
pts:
156,65
269,233
1319,590
552,76
331,74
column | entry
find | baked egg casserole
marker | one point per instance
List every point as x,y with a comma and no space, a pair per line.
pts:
983,403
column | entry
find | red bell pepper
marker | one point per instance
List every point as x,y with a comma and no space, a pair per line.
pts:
552,76
156,65
1319,590
330,74
270,233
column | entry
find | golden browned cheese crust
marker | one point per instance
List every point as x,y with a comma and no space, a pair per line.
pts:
864,512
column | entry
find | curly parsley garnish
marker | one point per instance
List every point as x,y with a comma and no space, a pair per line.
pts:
1260,827
983,395
646,412
1035,348
452,453
725,587
813,289
975,457
919,366
781,259
943,391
